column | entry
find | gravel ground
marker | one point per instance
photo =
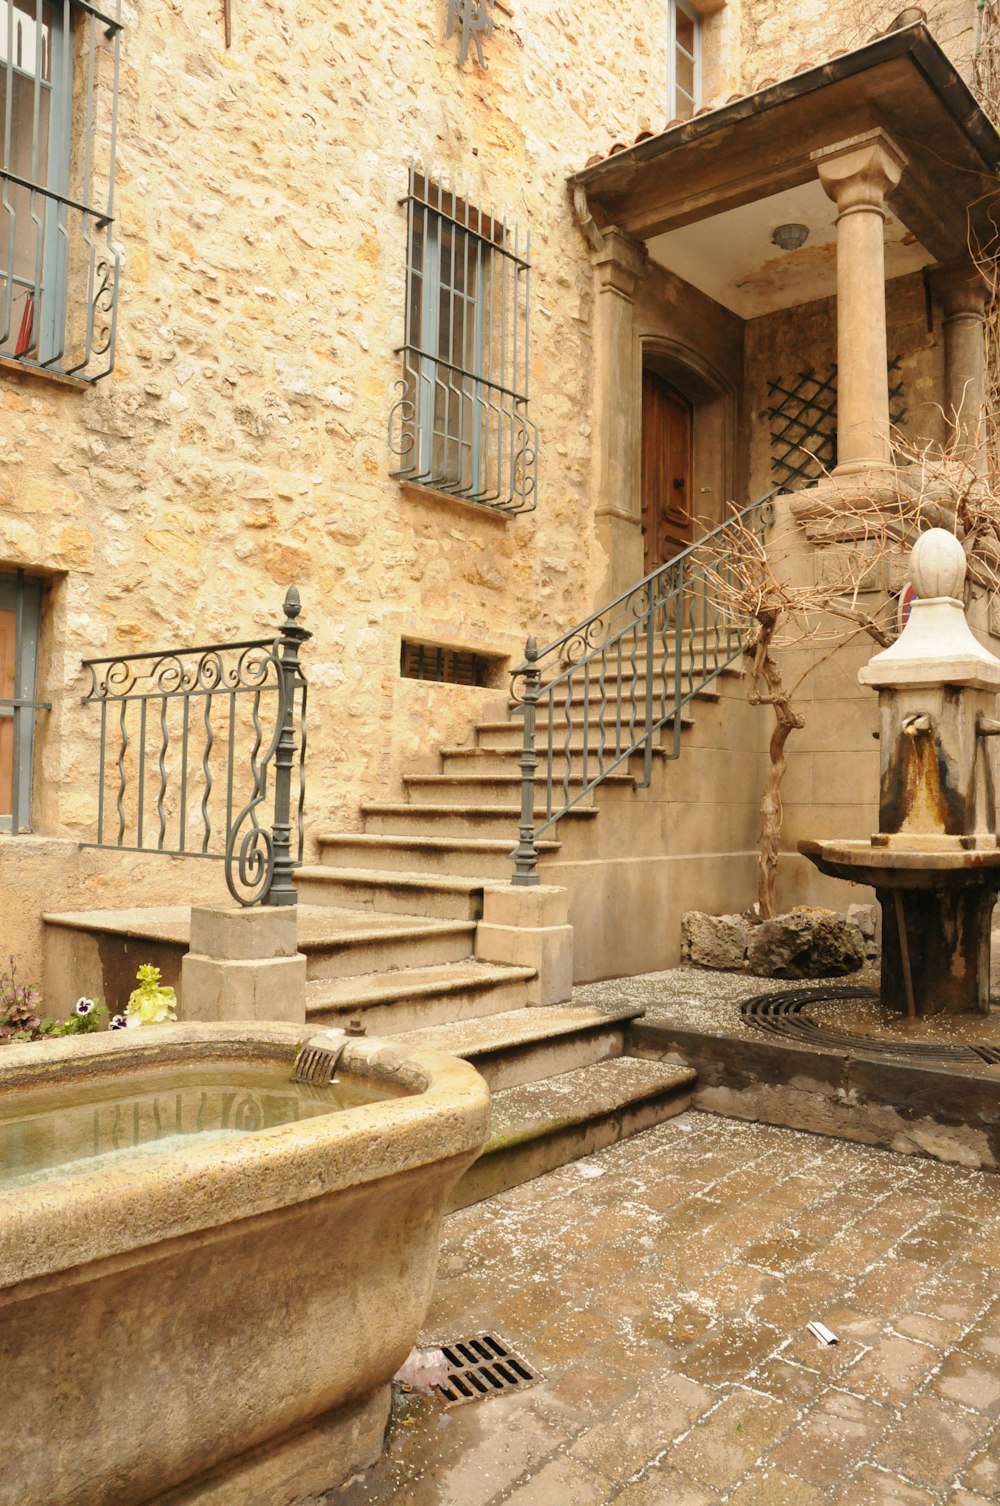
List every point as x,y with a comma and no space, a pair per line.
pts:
700,1000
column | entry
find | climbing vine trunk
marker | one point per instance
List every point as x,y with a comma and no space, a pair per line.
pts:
769,690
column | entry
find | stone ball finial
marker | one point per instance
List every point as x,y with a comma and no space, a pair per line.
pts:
937,565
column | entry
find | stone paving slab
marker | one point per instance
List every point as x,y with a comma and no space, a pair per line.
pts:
663,1287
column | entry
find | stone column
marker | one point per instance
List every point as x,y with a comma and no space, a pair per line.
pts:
960,289
618,263
858,175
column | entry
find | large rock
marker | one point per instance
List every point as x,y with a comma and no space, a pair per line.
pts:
716,941
866,918
806,943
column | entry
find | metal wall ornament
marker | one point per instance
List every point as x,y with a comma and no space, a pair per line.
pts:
188,740
473,23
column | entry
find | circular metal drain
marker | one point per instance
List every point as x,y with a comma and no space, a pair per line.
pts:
782,1014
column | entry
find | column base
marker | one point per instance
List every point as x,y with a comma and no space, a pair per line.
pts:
948,946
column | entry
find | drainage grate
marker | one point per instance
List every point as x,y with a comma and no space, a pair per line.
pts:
782,1014
483,1366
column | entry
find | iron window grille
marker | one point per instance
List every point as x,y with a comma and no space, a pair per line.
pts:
461,423
803,422
59,65
684,61
20,617
450,666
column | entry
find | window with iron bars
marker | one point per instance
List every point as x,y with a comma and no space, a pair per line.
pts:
684,60
461,424
20,614
59,63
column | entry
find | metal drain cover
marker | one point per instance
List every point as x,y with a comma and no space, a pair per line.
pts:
483,1366
781,1013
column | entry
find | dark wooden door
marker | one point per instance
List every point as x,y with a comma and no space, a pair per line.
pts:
667,524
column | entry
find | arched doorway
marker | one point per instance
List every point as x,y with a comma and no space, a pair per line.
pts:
686,449
667,443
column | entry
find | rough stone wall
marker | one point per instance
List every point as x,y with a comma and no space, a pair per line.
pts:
240,444
776,38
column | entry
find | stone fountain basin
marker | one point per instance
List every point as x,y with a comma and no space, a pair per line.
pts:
904,867
219,1322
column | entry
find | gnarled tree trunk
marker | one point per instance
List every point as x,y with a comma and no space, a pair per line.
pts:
765,672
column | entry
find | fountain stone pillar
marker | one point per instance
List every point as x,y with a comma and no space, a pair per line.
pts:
934,862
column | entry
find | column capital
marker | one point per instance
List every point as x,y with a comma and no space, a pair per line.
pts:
861,172
960,288
619,262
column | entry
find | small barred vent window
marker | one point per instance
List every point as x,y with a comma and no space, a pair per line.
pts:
452,666
59,63
461,424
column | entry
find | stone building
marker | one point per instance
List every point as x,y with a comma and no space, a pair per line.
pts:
459,319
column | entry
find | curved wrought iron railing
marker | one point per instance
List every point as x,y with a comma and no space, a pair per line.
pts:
190,739
599,695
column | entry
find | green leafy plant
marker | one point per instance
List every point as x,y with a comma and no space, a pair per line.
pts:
150,1003
85,1019
20,1006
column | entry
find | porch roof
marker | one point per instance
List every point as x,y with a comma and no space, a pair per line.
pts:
761,144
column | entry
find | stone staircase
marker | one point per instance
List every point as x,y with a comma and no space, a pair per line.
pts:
388,919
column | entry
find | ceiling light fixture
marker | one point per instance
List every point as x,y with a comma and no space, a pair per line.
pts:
789,237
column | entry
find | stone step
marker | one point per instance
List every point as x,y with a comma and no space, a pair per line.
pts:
360,942
387,892
482,857
526,1045
486,762
489,789
412,998
701,671
504,735
456,820
97,952
542,1125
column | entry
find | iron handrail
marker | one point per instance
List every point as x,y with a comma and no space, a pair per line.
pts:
581,692
146,758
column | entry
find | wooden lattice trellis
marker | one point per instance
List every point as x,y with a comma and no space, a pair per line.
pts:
803,417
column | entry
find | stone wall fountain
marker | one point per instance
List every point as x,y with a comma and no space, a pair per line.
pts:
934,862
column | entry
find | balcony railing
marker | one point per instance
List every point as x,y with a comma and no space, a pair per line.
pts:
189,739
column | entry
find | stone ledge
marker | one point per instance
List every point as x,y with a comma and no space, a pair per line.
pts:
18,368
414,492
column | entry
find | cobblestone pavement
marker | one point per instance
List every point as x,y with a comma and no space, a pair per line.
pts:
663,1287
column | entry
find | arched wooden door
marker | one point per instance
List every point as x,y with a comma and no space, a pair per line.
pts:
667,523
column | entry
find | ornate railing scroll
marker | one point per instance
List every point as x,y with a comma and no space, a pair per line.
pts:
599,695
202,754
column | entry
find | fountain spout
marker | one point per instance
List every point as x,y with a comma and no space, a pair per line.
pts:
934,862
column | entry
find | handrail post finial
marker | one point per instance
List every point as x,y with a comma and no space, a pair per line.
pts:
282,889
525,854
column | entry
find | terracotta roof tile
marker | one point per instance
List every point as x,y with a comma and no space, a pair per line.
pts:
647,134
